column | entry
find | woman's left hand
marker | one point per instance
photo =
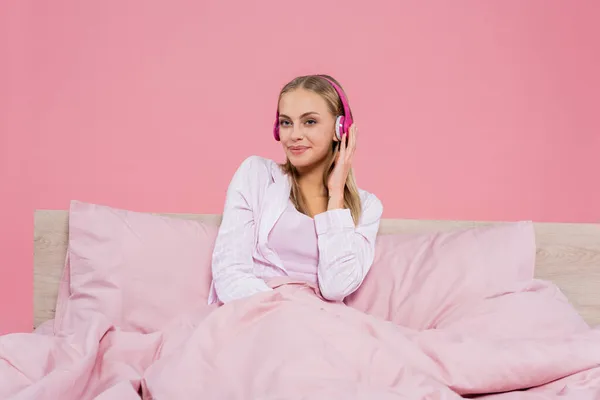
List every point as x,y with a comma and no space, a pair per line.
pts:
343,163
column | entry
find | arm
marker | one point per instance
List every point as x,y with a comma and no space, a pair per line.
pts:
346,252
232,263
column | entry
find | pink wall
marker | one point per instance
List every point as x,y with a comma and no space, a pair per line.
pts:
468,110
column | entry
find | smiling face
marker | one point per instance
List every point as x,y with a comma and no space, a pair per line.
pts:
306,128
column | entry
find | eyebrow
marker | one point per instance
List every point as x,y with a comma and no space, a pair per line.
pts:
302,116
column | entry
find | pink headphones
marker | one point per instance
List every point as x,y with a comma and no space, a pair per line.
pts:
342,122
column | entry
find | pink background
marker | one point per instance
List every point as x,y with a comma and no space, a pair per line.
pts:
467,110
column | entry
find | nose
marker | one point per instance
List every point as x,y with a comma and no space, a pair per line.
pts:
296,132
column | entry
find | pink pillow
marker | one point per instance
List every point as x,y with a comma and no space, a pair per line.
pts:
533,309
139,270
416,279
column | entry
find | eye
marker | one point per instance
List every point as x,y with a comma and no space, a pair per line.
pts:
311,122
283,122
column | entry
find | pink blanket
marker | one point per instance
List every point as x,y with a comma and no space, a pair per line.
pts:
291,344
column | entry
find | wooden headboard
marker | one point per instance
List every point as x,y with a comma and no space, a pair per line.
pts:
567,254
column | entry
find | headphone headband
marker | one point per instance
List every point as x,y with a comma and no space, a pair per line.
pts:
342,123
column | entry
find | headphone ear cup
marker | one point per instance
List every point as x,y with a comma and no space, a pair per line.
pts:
339,127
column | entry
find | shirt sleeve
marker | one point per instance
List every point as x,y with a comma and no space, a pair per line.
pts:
346,251
232,262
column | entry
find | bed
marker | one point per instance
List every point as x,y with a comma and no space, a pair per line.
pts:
568,254
449,311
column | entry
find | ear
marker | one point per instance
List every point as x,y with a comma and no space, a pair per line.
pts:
335,138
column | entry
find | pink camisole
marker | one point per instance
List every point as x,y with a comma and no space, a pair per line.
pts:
294,239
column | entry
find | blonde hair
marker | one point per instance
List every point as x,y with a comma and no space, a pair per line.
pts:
319,85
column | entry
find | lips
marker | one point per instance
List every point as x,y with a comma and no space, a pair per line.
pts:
298,149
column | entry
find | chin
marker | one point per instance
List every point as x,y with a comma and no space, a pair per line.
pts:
301,162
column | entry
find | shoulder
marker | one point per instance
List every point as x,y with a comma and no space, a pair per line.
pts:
255,174
370,203
259,167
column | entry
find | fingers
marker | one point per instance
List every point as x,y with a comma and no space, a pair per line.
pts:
352,144
347,145
343,145
350,139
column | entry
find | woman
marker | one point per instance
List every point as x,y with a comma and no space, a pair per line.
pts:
305,219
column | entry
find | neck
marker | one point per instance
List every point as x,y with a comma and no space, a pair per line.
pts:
311,181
